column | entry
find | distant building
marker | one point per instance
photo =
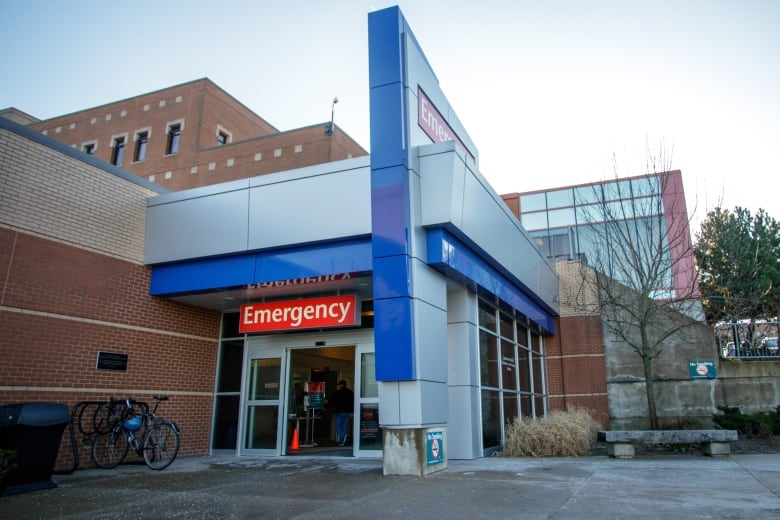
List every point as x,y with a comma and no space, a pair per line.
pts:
190,135
562,220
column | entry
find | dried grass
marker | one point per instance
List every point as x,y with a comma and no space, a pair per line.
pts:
569,433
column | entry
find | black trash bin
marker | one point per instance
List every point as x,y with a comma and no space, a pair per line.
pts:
34,431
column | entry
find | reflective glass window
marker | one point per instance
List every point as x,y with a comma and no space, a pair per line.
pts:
532,202
587,194
491,419
644,186
617,190
488,359
533,221
560,198
561,218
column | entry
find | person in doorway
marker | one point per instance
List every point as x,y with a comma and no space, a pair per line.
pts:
342,402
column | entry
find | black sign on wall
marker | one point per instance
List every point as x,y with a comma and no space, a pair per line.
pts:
111,361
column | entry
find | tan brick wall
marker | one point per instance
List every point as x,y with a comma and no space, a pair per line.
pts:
52,195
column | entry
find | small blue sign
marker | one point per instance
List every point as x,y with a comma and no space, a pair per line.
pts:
435,447
702,369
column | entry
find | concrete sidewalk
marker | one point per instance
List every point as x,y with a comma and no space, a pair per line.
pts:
668,487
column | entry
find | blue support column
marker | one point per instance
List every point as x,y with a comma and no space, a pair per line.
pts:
390,199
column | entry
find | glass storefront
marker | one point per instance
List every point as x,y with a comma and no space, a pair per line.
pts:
512,372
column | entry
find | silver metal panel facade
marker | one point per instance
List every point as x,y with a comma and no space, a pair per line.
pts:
454,194
314,204
319,206
204,224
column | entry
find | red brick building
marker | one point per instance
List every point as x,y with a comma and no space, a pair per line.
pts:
194,134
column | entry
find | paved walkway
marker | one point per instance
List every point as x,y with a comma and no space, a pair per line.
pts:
657,487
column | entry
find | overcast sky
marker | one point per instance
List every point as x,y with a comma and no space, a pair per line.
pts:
549,91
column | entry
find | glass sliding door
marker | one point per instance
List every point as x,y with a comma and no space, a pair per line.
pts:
366,429
264,386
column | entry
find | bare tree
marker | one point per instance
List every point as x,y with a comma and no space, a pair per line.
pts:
639,246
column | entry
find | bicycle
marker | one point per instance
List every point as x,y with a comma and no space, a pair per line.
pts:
156,441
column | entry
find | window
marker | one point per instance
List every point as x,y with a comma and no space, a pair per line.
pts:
141,141
89,148
533,202
511,373
118,151
174,138
223,136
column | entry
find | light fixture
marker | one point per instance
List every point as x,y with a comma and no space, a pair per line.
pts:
329,127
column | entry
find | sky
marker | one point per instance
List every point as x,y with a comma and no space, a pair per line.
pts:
553,93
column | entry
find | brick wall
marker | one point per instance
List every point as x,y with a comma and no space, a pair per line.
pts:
72,285
576,366
50,194
256,147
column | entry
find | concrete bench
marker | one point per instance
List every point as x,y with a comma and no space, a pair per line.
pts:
620,443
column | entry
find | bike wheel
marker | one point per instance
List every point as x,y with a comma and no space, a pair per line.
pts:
161,445
109,449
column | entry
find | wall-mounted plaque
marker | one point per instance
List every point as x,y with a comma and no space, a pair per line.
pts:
111,361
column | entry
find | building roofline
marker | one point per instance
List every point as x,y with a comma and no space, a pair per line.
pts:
73,153
204,80
594,183
284,132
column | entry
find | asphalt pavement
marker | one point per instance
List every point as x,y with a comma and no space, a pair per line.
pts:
594,487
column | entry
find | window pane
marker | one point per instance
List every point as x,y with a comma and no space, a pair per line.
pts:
538,367
646,186
226,422
231,358
491,419
538,406
536,342
587,194
522,335
523,370
507,326
525,406
488,359
533,202
174,135
560,198
261,427
532,221
617,190
140,146
368,384
508,365
264,377
510,407
561,218
487,316
561,246
118,152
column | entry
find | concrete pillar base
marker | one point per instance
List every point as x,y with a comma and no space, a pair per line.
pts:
716,448
414,451
620,450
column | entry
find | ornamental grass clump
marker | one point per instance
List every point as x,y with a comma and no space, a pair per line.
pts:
560,434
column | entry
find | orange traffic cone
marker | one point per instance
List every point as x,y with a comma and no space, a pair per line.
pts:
294,445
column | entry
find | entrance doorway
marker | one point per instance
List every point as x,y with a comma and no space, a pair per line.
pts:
317,370
285,386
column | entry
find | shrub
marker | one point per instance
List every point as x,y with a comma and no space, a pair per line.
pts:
759,424
559,434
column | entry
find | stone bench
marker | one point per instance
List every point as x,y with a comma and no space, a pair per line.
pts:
620,443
